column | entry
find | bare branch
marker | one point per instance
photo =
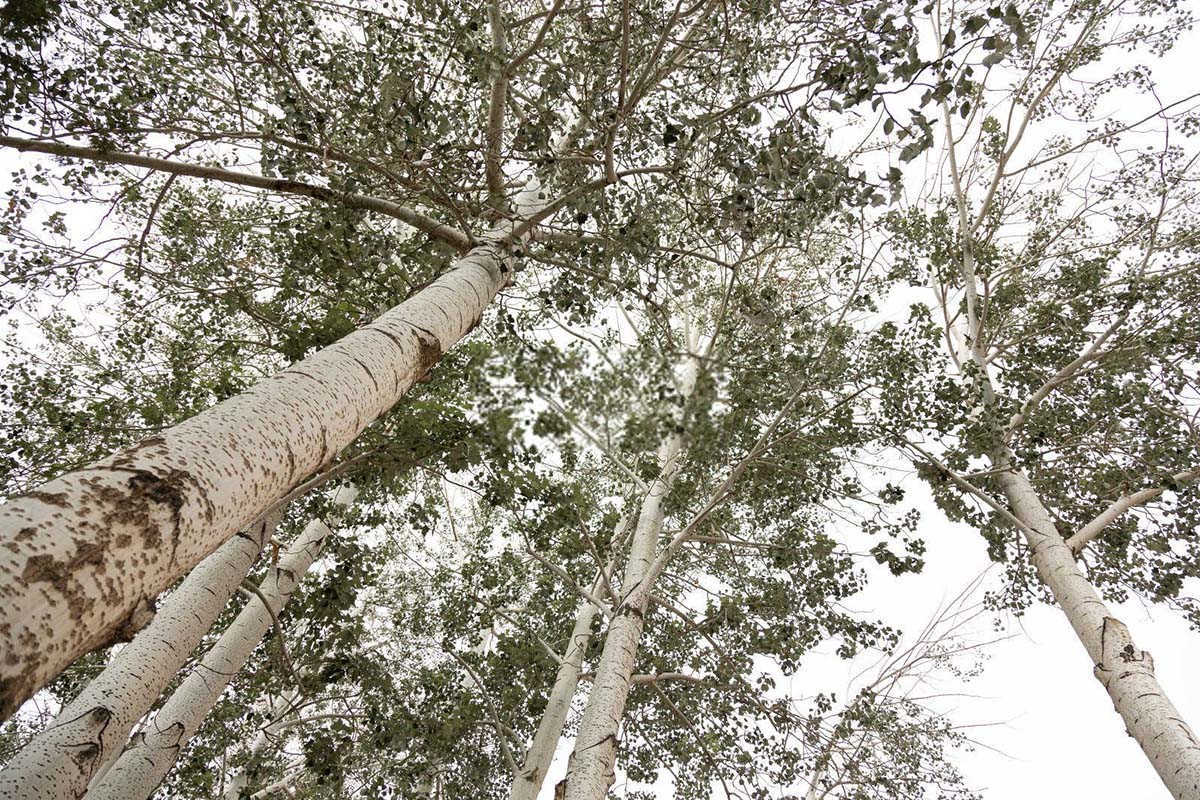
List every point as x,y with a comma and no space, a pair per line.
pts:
524,55
452,236
1119,506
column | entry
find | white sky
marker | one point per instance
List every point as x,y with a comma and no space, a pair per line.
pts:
1058,730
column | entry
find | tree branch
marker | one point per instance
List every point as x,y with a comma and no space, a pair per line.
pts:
252,591
494,136
972,489
524,55
452,236
1093,529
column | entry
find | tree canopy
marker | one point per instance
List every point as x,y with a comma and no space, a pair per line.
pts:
671,308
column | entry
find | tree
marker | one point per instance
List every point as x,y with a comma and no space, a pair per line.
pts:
1063,315
888,739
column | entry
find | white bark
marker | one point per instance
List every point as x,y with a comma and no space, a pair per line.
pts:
541,751
88,734
1126,672
83,552
152,753
590,771
1090,531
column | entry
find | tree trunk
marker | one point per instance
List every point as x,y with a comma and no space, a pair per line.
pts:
1126,672
88,734
590,771
240,779
283,783
545,740
83,552
152,753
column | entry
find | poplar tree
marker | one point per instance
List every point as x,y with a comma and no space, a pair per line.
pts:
1061,256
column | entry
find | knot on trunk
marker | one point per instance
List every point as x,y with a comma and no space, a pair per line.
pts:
90,724
1119,656
141,616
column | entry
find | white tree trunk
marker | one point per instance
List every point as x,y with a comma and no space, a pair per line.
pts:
545,741
590,771
240,779
80,554
283,783
152,753
88,734
1126,672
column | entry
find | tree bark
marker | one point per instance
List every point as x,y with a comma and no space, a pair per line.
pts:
590,771
150,756
83,552
1126,672
88,734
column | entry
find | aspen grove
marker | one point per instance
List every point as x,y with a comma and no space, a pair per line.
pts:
518,399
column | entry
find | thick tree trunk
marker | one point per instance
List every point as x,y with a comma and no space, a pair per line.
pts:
590,771
88,734
80,554
545,740
152,753
1126,672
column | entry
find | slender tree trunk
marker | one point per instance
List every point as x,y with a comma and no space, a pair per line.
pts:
283,783
240,779
545,740
1126,672
83,552
88,734
142,767
590,771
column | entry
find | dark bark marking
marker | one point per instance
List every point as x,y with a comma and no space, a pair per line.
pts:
145,488
149,443
367,370
58,499
94,722
57,572
429,350
324,449
304,374
632,610
395,339
291,457
444,313
177,729
478,297
12,692
603,741
310,190
141,616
